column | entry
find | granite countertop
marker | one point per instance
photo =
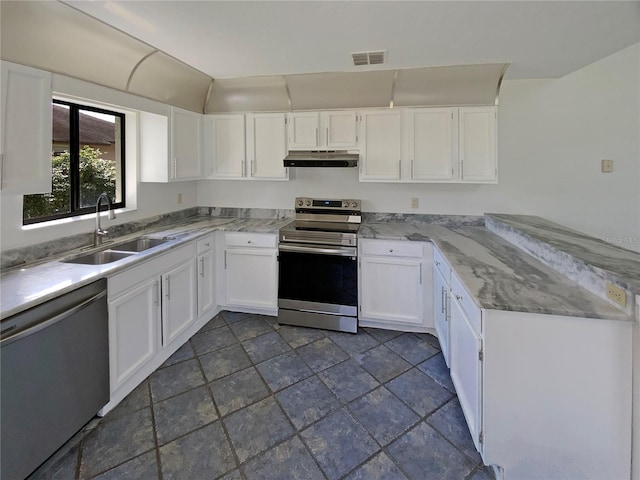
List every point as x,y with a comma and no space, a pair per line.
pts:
29,285
610,260
497,274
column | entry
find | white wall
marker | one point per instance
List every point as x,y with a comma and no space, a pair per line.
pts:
148,199
552,136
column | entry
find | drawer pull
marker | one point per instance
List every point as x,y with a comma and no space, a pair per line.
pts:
437,263
459,297
391,250
207,244
249,242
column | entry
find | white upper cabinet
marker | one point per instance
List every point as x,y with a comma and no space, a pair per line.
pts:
381,145
304,130
432,140
322,130
226,145
477,144
186,144
266,146
170,146
25,139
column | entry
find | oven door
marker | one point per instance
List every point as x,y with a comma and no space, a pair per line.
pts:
318,279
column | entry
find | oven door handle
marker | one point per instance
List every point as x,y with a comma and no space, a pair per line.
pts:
341,252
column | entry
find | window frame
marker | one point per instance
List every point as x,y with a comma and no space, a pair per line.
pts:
74,163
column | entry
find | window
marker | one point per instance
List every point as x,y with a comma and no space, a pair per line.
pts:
87,159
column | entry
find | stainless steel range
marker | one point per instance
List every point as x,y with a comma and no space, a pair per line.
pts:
318,265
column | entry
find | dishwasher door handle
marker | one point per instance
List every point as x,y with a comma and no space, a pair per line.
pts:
51,321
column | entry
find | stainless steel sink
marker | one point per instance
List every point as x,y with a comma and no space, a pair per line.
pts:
100,258
138,245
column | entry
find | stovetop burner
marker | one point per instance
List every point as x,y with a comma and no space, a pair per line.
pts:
324,221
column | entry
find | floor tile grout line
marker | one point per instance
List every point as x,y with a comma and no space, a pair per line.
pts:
219,414
155,433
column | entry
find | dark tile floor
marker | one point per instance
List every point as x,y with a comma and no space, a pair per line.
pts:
247,398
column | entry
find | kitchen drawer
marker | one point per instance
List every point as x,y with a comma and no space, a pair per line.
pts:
204,244
390,248
123,281
460,293
262,240
442,265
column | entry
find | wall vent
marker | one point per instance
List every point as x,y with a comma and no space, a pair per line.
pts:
369,58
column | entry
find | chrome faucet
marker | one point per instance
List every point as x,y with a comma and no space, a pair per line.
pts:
99,233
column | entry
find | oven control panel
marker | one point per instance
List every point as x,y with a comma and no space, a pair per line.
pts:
327,204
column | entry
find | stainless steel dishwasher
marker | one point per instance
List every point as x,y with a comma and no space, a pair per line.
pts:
55,376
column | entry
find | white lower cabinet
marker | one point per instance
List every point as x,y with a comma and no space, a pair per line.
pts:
206,269
178,305
395,285
466,368
538,403
441,309
133,330
250,272
151,305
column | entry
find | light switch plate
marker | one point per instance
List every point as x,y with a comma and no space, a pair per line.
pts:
414,202
607,166
617,295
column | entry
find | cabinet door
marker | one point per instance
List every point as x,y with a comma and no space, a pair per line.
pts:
339,129
478,159
205,265
267,145
251,277
441,311
25,139
432,143
133,330
227,137
466,368
304,130
391,290
178,301
381,148
186,144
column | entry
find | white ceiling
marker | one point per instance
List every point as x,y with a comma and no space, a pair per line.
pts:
242,38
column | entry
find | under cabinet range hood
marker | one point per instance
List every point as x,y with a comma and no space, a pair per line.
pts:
330,158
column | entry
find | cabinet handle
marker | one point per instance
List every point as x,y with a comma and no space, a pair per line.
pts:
202,267
399,169
442,299
167,283
317,139
459,297
207,244
327,138
420,273
437,263
253,167
225,259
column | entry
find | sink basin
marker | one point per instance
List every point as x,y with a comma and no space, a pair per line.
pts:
99,258
138,245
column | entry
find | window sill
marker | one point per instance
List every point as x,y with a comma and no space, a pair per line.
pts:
72,220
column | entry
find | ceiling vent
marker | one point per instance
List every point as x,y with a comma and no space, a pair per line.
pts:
369,58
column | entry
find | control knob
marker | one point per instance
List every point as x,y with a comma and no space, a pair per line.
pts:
308,203
300,203
354,204
345,204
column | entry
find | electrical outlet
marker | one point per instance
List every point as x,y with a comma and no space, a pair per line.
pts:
617,295
179,198
607,166
414,202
